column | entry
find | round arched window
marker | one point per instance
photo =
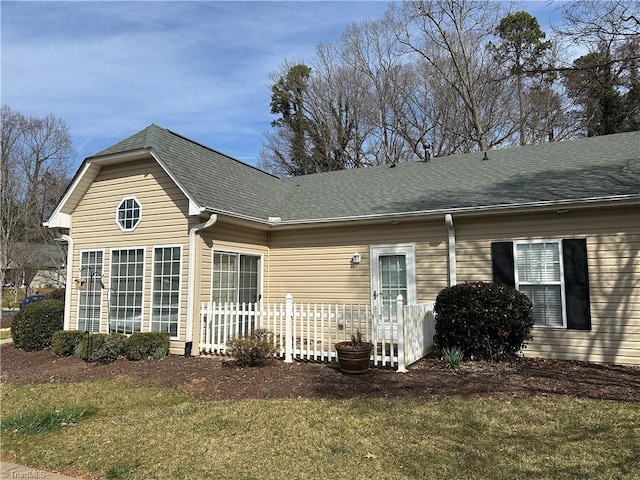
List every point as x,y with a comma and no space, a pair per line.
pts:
128,214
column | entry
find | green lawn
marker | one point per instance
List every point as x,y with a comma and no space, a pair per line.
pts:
154,433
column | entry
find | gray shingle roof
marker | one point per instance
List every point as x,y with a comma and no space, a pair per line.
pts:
571,170
588,168
213,179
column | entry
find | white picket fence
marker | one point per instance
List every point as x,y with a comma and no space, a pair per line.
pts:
309,331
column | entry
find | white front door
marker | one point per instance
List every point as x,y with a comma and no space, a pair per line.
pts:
392,274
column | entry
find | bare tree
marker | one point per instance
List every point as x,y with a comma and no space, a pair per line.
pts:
337,109
593,21
371,50
604,84
451,37
35,154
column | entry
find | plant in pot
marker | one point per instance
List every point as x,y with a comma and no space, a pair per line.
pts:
354,355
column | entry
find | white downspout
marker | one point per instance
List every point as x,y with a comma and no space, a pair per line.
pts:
67,287
451,248
191,279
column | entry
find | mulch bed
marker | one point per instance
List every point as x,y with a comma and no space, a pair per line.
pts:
220,379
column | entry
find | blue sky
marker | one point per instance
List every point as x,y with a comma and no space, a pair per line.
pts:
200,68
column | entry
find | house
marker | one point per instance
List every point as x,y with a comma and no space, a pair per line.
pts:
157,224
36,265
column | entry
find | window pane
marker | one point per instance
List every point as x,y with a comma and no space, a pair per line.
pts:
166,290
547,303
225,287
539,275
393,282
235,278
90,299
538,262
128,214
125,311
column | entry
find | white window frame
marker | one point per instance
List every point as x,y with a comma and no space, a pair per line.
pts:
137,223
80,292
409,251
518,283
180,288
144,277
238,253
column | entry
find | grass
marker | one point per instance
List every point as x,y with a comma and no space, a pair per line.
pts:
148,432
45,420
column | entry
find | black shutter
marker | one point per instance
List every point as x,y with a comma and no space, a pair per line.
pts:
576,283
502,263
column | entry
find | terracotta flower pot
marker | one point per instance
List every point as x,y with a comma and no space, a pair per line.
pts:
353,358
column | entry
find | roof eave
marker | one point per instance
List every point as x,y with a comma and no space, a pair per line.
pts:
527,207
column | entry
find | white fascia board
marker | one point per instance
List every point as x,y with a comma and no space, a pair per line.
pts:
273,224
620,200
59,220
194,207
122,157
63,220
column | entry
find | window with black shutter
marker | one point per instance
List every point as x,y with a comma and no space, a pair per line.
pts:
552,273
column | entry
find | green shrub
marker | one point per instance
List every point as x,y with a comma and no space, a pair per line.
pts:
63,342
253,349
101,347
79,350
33,327
141,346
487,321
57,294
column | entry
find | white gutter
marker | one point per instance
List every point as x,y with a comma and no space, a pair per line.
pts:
451,248
530,207
67,290
191,279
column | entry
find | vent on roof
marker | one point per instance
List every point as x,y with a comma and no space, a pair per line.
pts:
485,157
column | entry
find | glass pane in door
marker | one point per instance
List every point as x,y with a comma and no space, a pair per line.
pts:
393,282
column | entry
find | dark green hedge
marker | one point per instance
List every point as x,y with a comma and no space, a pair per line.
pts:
488,321
141,346
101,347
64,342
33,327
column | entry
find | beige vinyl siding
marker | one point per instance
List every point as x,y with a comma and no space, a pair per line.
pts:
164,221
613,249
227,237
314,265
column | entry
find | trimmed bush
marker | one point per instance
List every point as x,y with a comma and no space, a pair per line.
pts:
253,349
33,327
487,321
101,347
141,346
63,342
57,294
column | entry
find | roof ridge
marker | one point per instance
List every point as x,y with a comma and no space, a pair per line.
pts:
217,151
